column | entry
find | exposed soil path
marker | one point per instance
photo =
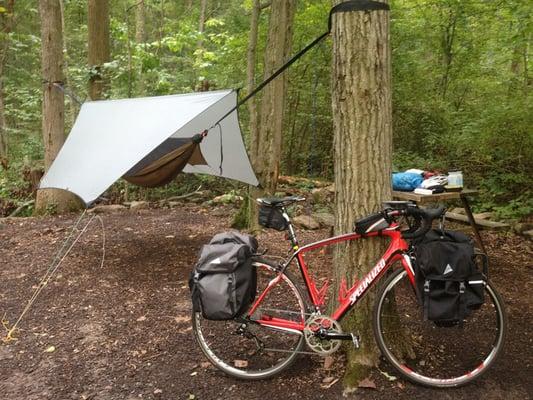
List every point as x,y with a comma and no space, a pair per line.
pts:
123,331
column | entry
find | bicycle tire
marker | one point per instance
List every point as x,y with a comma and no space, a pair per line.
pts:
233,353
436,356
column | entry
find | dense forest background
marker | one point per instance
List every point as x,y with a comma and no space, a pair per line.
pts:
461,84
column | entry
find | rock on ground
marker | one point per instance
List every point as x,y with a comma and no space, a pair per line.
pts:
325,219
306,222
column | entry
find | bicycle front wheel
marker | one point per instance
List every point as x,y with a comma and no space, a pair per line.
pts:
429,353
246,349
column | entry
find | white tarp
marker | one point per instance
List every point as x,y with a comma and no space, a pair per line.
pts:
111,136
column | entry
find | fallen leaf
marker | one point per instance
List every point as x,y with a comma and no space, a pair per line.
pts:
158,391
328,362
182,319
367,383
50,349
391,378
169,237
328,379
191,397
401,385
240,363
194,373
205,364
330,384
141,319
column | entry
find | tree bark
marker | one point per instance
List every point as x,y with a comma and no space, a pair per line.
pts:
250,75
362,110
203,13
53,122
140,39
99,49
6,26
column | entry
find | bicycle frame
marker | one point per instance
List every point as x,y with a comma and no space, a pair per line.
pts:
347,298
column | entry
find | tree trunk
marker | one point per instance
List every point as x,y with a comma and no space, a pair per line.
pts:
250,75
140,39
362,110
52,200
448,38
247,215
99,50
6,25
203,13
279,43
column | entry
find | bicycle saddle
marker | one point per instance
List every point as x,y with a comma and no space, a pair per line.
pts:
279,201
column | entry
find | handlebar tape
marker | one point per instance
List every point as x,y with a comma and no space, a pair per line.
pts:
426,216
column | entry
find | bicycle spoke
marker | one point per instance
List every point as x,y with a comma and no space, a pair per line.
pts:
246,349
431,353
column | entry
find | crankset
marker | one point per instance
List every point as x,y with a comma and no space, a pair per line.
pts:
323,335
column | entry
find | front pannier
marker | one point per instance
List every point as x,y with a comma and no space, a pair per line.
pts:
223,282
448,281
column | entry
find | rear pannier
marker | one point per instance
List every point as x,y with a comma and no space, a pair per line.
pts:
449,283
223,282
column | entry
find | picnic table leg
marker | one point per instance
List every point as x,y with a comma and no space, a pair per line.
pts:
472,222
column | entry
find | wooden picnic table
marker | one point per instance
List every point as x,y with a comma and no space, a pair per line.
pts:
443,197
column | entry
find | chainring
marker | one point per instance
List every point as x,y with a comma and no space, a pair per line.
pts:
314,326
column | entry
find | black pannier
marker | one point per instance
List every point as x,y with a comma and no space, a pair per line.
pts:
271,217
223,283
448,281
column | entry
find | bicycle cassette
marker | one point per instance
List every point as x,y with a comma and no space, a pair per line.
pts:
315,331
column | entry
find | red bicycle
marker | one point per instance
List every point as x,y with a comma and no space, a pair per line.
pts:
284,318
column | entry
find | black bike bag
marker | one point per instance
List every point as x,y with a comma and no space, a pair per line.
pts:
448,281
223,281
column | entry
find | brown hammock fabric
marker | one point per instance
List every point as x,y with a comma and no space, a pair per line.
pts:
163,164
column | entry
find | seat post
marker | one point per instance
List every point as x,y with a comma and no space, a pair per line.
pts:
292,234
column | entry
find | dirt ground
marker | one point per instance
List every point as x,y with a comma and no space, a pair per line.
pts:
122,330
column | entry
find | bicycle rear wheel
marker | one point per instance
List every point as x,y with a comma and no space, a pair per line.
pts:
247,350
432,355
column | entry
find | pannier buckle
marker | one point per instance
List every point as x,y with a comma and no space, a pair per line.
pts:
426,286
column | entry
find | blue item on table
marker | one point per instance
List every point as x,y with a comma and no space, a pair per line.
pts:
406,181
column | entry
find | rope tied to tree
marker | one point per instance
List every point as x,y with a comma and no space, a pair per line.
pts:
65,89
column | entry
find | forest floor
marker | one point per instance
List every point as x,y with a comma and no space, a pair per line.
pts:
122,330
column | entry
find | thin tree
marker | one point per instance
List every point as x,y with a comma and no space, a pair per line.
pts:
251,56
53,120
6,25
267,139
99,49
140,39
362,111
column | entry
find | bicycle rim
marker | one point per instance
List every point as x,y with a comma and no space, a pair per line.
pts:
433,355
250,350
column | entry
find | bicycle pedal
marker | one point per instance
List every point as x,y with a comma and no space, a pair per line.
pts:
355,340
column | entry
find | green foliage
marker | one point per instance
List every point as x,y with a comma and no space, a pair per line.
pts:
461,86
